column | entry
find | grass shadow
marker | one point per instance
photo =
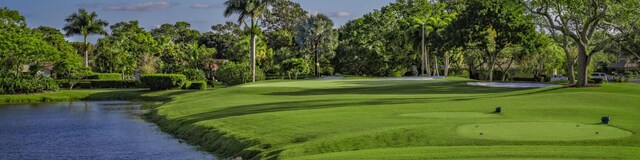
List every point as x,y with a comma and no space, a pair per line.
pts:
141,95
426,87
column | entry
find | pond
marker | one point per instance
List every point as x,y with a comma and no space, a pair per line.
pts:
86,130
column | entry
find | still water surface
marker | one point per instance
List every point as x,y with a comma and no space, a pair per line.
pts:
86,130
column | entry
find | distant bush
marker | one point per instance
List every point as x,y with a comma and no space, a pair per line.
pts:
296,67
163,81
25,84
194,74
201,85
116,84
105,76
397,73
232,74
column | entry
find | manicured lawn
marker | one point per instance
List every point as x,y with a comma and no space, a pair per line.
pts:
407,119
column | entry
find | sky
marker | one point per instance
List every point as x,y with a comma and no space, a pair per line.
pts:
202,14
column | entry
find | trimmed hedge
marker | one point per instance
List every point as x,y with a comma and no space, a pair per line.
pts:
116,84
194,74
17,85
163,81
231,74
201,85
85,84
105,76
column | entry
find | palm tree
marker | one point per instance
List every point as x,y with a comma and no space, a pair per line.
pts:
85,24
254,10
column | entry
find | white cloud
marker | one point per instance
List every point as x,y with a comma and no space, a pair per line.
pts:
147,6
206,6
339,14
342,14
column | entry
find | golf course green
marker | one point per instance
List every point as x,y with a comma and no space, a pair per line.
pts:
368,118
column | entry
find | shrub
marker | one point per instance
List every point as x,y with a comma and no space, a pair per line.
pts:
194,74
201,85
232,74
296,67
115,84
397,73
186,85
163,81
105,76
23,84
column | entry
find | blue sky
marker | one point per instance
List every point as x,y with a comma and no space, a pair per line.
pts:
202,14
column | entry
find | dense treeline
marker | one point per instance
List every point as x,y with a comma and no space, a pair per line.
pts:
480,39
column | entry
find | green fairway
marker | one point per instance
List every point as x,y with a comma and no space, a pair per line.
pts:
541,131
407,119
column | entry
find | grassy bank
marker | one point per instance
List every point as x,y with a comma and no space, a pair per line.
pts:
406,119
92,95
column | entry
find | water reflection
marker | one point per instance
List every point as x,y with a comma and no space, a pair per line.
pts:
86,130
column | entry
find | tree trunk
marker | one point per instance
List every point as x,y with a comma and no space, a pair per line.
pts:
317,64
504,72
583,63
86,52
422,48
436,71
570,63
426,62
491,67
446,64
253,51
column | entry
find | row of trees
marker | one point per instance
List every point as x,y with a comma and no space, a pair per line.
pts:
482,39
486,37
287,34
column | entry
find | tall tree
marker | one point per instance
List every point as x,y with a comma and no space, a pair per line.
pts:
222,38
590,25
122,51
280,23
85,24
316,35
495,24
253,10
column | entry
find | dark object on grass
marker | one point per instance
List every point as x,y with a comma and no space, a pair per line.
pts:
597,132
481,133
498,110
605,119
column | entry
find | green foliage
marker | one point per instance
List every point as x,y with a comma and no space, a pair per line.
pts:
105,76
222,38
296,67
280,24
26,84
20,45
194,74
8,16
316,36
199,85
163,81
127,49
232,74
